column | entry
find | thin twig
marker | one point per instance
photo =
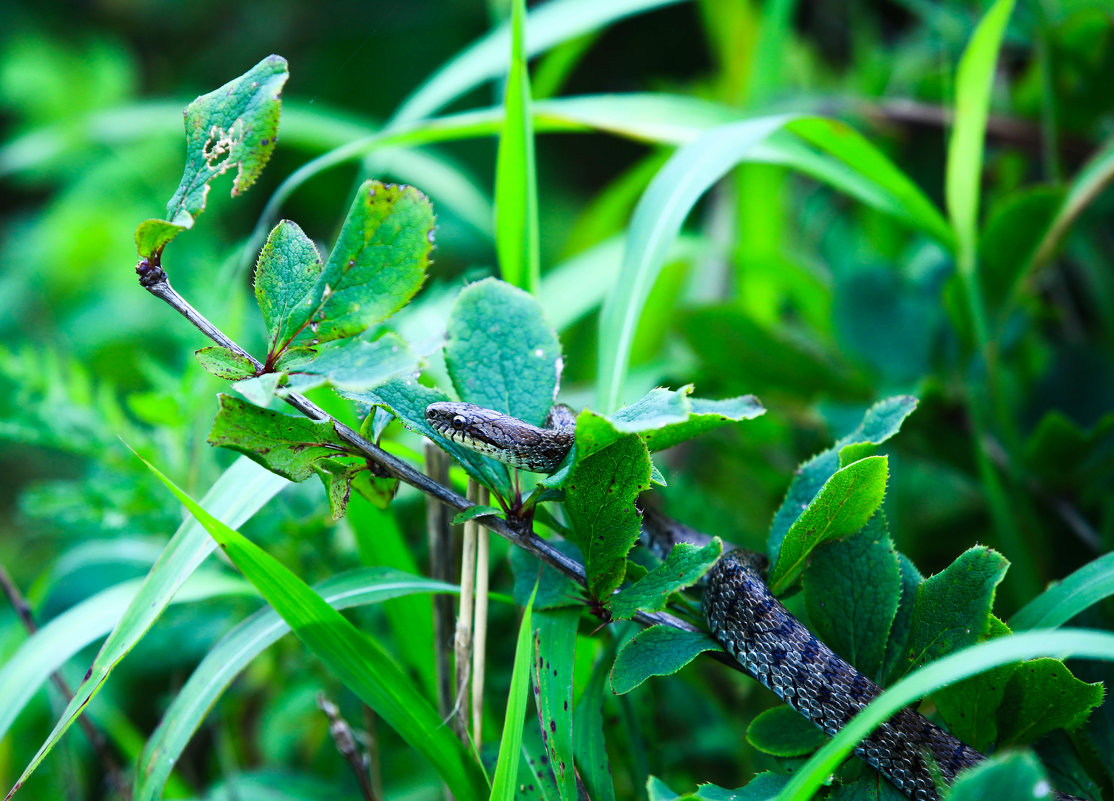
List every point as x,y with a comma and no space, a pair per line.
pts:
516,530
479,634
345,742
440,567
462,643
113,774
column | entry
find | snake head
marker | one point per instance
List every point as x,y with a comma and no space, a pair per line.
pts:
470,425
504,438
448,417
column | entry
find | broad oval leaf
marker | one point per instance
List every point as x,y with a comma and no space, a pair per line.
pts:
501,353
656,651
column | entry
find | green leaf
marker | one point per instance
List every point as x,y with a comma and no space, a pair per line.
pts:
539,783
1092,178
656,409
683,567
880,422
238,494
1043,695
842,506
504,782
238,648
867,787
260,389
284,444
656,651
588,739
782,732
973,82
151,236
871,178
407,400
894,663
501,353
554,590
953,607
969,706
555,645
475,512
225,363
234,127
516,183
1014,775
1065,455
352,365
954,667
851,589
600,497
340,479
287,285
377,264
761,788
657,790
1061,602
705,415
354,657
1012,233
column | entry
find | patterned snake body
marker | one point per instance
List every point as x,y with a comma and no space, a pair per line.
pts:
750,623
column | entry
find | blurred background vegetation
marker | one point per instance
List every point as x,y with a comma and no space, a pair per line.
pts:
791,291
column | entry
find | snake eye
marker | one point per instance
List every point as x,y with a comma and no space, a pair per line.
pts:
459,422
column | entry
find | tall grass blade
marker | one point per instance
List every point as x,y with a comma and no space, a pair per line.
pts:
238,494
516,183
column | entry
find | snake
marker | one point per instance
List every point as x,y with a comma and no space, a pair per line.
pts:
909,750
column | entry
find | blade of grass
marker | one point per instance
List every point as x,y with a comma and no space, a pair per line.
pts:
848,161
854,166
963,179
1082,643
352,655
504,783
962,189
1058,604
235,651
654,118
238,494
48,649
516,183
552,24
655,224
1088,184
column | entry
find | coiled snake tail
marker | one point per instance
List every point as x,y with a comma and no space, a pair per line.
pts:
783,655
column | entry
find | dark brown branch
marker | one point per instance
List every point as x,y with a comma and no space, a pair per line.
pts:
516,530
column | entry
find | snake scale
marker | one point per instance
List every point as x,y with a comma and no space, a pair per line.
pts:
911,751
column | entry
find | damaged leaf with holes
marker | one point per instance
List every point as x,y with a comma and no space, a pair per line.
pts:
232,129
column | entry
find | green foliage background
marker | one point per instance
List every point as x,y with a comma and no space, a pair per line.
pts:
779,286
